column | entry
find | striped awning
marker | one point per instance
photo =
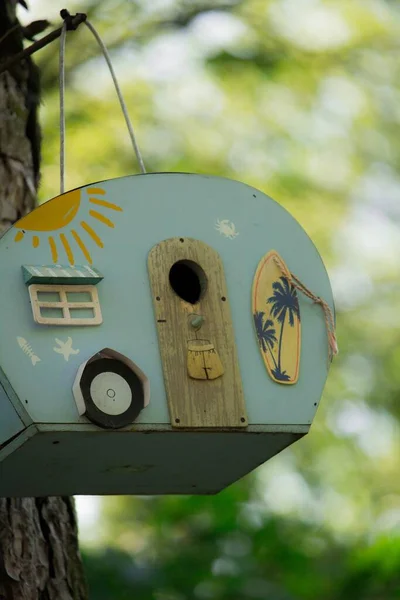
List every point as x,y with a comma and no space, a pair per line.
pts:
68,274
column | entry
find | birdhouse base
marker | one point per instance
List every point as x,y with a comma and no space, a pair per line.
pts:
81,459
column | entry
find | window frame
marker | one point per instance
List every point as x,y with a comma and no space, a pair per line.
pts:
64,304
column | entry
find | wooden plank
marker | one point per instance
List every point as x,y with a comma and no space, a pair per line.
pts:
215,400
133,461
276,314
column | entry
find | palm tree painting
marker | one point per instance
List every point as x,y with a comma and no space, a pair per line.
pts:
276,315
284,303
265,333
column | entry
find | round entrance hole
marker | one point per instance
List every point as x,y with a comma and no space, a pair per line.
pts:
188,280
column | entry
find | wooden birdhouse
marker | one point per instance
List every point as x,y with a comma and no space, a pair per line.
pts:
160,334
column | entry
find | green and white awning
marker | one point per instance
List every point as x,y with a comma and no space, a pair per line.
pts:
59,274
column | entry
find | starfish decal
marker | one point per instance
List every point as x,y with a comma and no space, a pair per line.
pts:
65,348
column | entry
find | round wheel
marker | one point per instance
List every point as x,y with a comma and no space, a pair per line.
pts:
112,392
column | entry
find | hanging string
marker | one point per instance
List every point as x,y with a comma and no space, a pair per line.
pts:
119,93
62,101
329,320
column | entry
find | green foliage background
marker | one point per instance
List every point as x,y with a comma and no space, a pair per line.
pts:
299,98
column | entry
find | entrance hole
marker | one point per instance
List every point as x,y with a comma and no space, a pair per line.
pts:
188,280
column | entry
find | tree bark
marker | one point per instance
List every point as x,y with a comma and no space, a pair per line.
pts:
39,553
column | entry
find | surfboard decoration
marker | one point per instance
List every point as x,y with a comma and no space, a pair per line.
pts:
276,315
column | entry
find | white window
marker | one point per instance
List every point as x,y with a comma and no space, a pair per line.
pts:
65,304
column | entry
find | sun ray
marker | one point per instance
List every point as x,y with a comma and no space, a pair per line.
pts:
81,246
53,249
92,234
67,249
101,218
105,204
35,241
19,236
95,190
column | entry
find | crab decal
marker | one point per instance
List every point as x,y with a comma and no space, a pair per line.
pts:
226,228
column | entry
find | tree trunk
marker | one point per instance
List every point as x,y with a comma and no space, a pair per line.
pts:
39,553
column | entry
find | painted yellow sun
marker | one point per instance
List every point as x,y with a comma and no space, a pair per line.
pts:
59,213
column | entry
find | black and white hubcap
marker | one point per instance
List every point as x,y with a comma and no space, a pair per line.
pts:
112,392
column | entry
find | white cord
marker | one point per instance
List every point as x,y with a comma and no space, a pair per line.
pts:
62,106
62,102
119,93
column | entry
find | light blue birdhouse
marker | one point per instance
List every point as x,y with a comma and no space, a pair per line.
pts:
160,334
